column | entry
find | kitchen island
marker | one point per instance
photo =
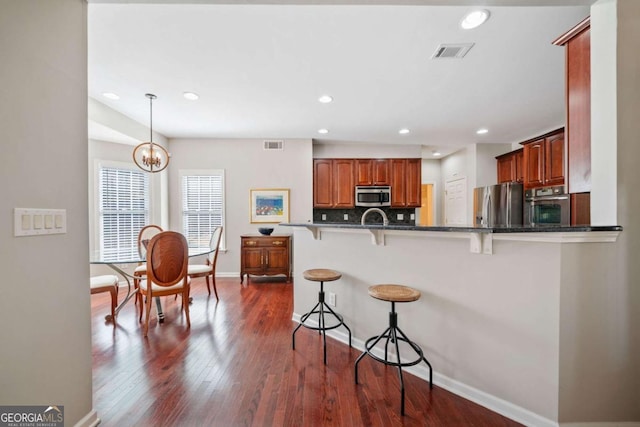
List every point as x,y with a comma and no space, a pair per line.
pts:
515,319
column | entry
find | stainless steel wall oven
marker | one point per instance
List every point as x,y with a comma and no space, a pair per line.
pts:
547,206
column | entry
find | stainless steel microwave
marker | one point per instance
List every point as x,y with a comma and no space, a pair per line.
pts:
373,196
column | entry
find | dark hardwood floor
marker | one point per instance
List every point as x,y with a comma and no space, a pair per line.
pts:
235,367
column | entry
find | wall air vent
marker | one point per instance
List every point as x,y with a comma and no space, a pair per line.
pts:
452,50
273,145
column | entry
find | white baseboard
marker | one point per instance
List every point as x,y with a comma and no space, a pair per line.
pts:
89,420
496,404
603,424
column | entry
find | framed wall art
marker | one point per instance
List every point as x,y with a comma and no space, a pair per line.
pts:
269,205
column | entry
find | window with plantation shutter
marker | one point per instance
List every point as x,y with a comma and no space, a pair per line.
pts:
202,206
123,210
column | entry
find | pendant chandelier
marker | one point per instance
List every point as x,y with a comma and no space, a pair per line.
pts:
148,156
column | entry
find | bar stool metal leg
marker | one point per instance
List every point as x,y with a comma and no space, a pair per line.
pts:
320,309
394,334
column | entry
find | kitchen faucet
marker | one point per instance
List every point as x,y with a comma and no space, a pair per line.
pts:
385,220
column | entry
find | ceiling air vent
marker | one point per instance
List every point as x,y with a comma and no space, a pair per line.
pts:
452,50
273,145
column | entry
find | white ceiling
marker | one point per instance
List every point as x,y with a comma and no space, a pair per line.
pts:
259,70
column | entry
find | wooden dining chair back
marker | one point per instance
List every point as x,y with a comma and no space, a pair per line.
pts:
144,237
209,268
167,263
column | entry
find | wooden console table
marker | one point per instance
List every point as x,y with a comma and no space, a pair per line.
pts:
265,255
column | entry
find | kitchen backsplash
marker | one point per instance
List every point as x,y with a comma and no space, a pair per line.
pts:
354,216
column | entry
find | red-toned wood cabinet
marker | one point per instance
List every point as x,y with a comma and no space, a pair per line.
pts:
406,182
510,167
577,42
372,171
543,160
265,256
333,183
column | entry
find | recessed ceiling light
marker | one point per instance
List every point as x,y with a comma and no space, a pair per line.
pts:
436,153
323,131
474,19
325,99
111,95
403,131
482,131
191,96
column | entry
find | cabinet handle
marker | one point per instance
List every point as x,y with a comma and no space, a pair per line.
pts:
261,259
250,243
267,259
278,243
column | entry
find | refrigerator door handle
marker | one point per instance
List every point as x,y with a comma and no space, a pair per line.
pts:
486,208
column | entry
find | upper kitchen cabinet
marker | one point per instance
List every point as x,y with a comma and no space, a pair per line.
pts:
372,171
544,160
510,167
333,183
406,183
577,42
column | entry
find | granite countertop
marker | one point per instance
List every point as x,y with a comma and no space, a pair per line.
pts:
461,228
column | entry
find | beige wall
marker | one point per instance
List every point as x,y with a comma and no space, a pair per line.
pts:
600,337
490,331
247,166
45,350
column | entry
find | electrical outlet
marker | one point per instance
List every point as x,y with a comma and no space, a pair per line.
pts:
324,217
400,217
412,217
346,217
332,299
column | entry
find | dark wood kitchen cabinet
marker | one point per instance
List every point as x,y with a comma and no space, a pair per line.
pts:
544,160
333,183
510,167
372,171
577,43
265,256
406,183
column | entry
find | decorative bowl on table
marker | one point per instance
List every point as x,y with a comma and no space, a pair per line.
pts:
265,231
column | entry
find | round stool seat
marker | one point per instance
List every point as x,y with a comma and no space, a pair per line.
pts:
321,275
394,293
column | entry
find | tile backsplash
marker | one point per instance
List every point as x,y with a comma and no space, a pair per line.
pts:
353,216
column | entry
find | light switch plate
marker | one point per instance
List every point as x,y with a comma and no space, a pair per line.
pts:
346,217
34,222
400,217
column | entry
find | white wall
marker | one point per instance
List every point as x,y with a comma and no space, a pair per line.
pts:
486,163
45,350
247,166
362,150
604,113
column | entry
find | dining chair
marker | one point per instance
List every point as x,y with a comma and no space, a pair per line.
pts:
209,267
167,261
106,283
144,237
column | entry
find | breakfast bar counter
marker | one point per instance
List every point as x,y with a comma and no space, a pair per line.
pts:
514,319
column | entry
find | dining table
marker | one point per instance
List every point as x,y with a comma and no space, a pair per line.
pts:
125,259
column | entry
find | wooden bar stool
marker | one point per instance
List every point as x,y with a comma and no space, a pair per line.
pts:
394,294
321,275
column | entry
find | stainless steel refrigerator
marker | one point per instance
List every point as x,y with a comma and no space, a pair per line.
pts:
498,205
